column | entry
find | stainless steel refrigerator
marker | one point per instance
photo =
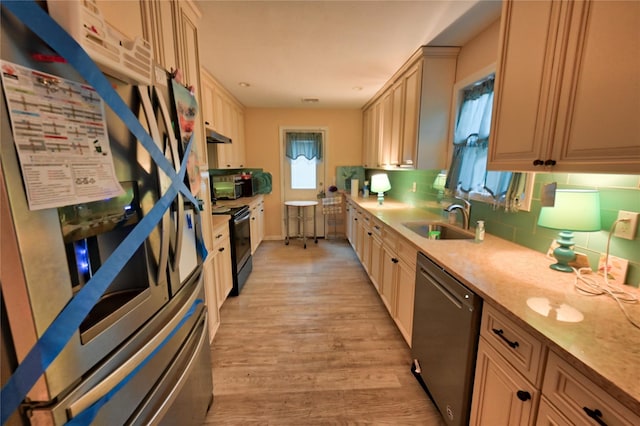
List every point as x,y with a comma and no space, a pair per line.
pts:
141,355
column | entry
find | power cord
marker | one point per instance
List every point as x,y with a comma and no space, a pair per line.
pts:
589,286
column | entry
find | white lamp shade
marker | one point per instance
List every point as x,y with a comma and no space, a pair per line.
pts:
440,181
380,183
574,210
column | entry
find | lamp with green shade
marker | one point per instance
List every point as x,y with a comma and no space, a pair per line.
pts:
380,183
573,210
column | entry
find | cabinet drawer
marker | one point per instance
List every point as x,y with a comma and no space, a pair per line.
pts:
220,235
407,252
390,238
520,348
377,227
574,395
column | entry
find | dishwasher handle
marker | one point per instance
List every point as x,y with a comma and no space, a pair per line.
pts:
442,288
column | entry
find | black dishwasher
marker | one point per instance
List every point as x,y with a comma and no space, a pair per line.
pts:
446,321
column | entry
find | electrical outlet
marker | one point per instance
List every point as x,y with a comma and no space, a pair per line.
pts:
627,229
413,187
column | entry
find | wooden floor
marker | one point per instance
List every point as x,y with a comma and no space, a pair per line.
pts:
308,341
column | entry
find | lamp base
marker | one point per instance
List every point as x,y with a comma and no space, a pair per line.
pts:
380,198
564,252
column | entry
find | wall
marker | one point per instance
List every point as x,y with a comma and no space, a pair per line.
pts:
479,52
262,139
617,192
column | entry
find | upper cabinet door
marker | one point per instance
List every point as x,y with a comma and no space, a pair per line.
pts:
598,125
412,91
160,28
567,88
522,84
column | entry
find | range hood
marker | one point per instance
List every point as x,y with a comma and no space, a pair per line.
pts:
215,137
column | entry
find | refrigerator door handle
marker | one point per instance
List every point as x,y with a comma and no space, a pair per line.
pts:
172,149
163,182
113,379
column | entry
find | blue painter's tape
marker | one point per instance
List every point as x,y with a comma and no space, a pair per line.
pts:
67,322
87,416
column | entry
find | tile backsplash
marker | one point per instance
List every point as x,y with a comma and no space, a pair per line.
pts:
617,192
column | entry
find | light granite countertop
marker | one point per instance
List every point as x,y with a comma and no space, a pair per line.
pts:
603,345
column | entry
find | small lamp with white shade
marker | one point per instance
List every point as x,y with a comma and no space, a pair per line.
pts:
439,183
573,210
380,183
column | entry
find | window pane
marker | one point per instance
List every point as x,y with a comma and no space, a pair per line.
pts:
303,173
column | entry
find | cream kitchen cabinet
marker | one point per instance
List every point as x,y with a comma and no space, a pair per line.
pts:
256,223
211,297
407,122
577,400
367,237
221,260
567,87
349,215
501,395
375,270
371,136
224,114
389,271
405,288
508,374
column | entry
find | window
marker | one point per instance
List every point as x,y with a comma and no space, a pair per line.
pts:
468,176
303,173
304,151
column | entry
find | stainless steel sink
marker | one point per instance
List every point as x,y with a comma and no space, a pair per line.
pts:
438,231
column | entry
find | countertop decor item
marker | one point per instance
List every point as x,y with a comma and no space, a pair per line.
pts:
439,182
574,210
380,183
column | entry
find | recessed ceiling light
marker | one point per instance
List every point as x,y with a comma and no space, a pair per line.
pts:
357,88
310,100
244,84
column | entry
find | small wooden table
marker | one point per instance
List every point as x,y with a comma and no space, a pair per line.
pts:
301,217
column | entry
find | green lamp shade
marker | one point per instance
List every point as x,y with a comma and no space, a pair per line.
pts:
573,210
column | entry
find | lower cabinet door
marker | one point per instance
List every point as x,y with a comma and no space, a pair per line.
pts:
549,416
501,395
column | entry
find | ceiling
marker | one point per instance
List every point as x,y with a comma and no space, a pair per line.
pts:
339,52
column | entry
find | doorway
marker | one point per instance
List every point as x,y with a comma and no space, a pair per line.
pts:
302,164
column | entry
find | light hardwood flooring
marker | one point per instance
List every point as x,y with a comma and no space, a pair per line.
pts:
308,341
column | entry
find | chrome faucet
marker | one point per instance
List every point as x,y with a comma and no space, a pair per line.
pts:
465,208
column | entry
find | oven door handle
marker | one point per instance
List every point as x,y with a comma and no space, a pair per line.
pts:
245,216
163,183
171,152
126,368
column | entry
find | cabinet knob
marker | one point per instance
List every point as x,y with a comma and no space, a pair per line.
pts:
550,162
538,162
369,234
218,236
221,249
206,122
595,415
523,395
394,260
